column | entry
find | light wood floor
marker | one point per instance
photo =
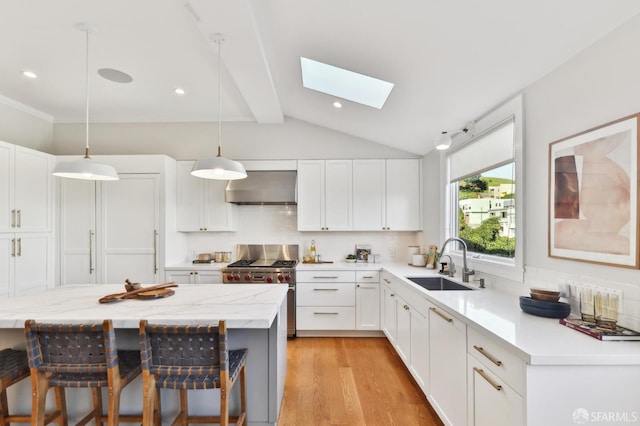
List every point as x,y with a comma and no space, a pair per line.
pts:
354,381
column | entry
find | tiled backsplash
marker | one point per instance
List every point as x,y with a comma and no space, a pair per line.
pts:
629,293
279,225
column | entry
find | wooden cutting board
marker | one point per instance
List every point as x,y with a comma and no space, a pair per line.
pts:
155,294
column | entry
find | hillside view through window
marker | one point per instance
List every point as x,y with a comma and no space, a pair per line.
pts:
486,211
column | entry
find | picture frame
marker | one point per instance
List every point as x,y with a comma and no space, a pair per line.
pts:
362,252
593,195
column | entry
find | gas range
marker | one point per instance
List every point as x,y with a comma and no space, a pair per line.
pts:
262,264
267,264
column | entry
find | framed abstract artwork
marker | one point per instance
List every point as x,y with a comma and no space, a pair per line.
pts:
593,195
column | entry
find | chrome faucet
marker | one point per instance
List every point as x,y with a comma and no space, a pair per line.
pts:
452,267
466,272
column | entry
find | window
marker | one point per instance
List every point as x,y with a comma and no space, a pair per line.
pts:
485,193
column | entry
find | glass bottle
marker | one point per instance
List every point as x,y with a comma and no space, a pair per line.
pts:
312,251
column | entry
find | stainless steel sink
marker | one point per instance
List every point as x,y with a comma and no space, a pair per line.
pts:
438,283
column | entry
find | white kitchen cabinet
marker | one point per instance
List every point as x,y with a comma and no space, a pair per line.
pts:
26,189
325,300
325,200
200,204
194,277
27,262
447,366
492,402
109,231
387,195
367,300
404,319
26,231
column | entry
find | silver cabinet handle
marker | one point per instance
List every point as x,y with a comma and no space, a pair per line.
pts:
386,281
155,251
325,278
325,289
13,218
19,222
19,246
325,313
91,269
406,307
367,277
441,315
13,247
488,356
484,376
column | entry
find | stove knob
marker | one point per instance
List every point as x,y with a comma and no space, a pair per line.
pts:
280,278
236,277
229,277
269,279
287,278
247,277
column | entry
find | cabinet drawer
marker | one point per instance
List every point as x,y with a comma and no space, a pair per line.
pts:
326,318
326,294
498,358
368,276
326,276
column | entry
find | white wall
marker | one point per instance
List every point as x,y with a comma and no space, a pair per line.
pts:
294,139
21,125
599,85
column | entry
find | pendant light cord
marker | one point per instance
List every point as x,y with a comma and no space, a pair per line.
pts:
86,90
220,40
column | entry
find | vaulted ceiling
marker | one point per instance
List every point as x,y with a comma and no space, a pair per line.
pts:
450,61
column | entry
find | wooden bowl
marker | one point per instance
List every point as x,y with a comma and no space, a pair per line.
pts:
546,295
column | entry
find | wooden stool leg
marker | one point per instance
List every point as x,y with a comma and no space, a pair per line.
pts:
224,405
97,405
157,411
61,404
113,412
4,407
150,399
184,407
39,387
243,395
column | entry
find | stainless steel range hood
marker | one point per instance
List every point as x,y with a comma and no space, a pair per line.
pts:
264,187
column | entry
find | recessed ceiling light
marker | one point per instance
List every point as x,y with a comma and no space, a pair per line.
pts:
29,74
179,91
116,76
345,84
337,104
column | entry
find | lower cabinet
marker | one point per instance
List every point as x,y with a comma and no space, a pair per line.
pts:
367,300
406,327
25,262
194,277
447,366
326,300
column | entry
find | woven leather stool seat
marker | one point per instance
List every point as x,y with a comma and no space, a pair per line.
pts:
80,356
14,367
191,357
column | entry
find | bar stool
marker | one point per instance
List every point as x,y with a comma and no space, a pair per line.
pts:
191,357
79,356
14,367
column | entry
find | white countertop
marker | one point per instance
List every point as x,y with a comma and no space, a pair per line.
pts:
339,266
539,341
242,306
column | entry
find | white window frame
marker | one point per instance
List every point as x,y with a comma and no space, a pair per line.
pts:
509,268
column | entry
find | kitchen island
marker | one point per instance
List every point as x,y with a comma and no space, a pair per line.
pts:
252,313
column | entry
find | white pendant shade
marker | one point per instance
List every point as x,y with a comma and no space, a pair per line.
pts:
85,168
219,168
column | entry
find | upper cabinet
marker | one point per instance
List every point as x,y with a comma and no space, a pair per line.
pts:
325,199
26,190
387,195
200,204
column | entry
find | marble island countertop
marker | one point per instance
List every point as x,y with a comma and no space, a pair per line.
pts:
242,306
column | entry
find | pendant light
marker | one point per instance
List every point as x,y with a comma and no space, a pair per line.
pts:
86,168
219,168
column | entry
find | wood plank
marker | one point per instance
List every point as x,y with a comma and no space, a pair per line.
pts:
355,381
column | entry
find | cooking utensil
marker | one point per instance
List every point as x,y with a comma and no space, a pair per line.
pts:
129,294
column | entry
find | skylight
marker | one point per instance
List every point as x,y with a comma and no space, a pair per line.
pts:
345,84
